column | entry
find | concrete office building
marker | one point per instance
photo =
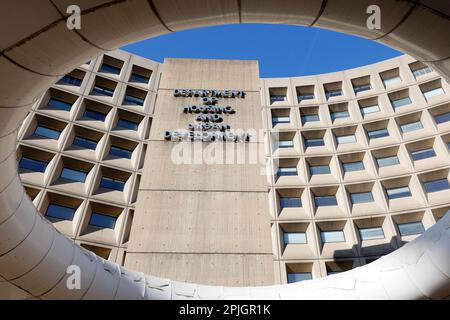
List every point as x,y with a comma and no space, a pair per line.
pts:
337,171
358,165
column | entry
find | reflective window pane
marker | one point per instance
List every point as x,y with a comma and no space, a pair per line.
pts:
323,201
433,93
284,144
94,115
47,132
369,109
102,91
346,139
74,175
391,81
353,166
371,233
139,79
441,118
388,161
401,102
277,120
400,192
436,185
290,202
423,154
319,170
422,71
120,152
106,68
131,100
294,238
278,98
408,127
85,143
112,184
59,104
411,228
339,115
363,87
310,118
361,197
287,171
333,93
314,142
125,124
102,221
376,134
332,236
298,276
32,165
69,80
60,212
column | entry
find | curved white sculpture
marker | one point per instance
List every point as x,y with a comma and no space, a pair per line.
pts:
34,256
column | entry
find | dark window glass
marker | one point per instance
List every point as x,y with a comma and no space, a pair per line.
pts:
376,134
314,142
119,152
60,212
423,154
69,80
280,119
59,104
436,185
74,175
441,118
85,143
106,68
323,201
361,88
32,165
102,91
47,132
319,170
138,78
333,93
290,202
130,100
113,184
400,192
102,221
125,124
287,171
310,118
94,115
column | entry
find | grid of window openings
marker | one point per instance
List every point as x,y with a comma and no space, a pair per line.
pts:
81,150
371,173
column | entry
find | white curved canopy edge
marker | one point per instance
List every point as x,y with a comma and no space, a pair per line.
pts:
37,48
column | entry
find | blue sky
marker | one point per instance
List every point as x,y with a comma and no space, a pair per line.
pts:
294,51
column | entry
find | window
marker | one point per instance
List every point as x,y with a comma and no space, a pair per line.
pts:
59,104
376,134
294,238
361,197
422,71
306,97
410,228
319,170
363,87
106,68
113,184
433,93
423,154
441,118
94,115
284,143
353,166
132,100
371,233
125,124
287,171
369,109
74,175
408,127
401,102
339,115
102,91
310,118
85,143
290,202
298,276
388,161
436,185
278,98
333,93
47,132
120,152
332,236
391,81
32,165
314,142
399,192
280,119
69,80
102,221
139,78
346,139
324,201
60,212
